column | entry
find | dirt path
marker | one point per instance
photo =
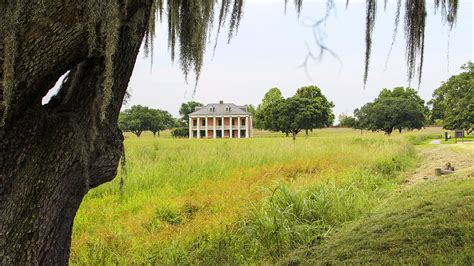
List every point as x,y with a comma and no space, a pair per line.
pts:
434,156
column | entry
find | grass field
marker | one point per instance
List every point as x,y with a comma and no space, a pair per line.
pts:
430,223
240,200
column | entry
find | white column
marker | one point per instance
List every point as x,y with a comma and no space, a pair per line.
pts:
198,128
214,126
222,128
230,127
190,121
251,126
207,134
246,126
238,125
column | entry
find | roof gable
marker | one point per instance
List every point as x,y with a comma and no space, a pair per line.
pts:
221,109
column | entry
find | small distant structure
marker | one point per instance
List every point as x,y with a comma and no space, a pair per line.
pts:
220,120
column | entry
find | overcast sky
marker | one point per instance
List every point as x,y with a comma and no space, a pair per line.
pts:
270,46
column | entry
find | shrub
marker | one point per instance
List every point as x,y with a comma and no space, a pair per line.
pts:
180,132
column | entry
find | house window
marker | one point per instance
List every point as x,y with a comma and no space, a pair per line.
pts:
212,109
219,122
243,122
227,109
194,122
203,122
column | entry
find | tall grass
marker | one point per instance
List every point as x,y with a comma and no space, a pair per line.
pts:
240,200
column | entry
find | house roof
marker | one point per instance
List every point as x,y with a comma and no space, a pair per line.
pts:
220,109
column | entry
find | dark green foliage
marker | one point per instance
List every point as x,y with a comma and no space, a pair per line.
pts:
186,109
273,95
308,109
400,108
453,101
180,132
141,118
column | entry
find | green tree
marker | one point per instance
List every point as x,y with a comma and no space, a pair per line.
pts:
186,109
453,101
406,93
297,113
437,104
141,118
319,101
272,96
391,111
135,120
97,43
347,121
160,120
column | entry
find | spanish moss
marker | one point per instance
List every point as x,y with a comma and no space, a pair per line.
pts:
371,10
190,24
415,19
111,31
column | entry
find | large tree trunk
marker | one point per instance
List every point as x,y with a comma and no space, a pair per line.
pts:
51,155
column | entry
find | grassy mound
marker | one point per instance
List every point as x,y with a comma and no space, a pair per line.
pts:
432,223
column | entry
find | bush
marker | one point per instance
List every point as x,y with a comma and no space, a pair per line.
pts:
180,132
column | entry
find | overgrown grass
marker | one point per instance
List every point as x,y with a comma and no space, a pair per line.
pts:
291,217
431,223
423,138
247,200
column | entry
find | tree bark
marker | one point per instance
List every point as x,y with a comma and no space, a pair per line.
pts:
51,155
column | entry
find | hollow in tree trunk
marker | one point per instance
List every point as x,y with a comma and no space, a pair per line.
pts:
51,155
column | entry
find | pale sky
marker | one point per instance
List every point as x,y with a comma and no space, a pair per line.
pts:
270,45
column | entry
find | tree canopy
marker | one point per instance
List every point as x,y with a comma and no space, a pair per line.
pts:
453,101
271,96
398,108
141,118
186,109
308,109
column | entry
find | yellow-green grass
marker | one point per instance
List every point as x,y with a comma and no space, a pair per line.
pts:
183,198
424,222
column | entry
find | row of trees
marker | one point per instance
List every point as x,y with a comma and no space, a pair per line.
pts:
308,109
452,107
141,118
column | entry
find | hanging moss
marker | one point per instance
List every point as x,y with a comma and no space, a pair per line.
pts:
190,23
110,31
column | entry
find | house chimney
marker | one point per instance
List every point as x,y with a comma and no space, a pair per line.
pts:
221,102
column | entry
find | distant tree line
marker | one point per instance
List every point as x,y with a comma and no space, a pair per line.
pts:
452,107
397,109
138,119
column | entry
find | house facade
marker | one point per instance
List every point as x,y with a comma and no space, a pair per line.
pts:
220,120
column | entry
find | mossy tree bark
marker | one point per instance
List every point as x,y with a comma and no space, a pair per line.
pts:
51,155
